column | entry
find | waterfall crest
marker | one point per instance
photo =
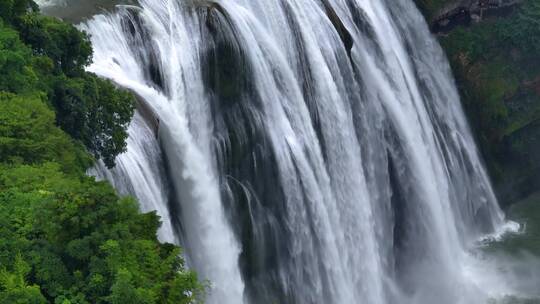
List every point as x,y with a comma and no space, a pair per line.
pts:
301,151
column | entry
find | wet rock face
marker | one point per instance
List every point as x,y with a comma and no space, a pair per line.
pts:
75,11
465,12
493,80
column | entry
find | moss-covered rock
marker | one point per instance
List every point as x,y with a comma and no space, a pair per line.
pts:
497,68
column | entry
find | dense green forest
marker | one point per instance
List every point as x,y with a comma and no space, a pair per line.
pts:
496,63
65,238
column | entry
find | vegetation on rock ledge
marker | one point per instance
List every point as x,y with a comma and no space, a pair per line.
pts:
497,69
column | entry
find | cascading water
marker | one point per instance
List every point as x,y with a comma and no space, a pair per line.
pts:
301,151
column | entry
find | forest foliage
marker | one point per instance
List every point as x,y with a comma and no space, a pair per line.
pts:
64,237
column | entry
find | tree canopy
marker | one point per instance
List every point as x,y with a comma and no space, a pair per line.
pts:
64,237
43,54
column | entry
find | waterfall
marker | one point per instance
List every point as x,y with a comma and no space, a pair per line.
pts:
301,151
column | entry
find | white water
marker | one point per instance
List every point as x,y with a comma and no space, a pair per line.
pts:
212,249
45,3
140,173
309,151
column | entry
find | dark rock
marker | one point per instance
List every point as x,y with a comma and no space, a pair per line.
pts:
463,12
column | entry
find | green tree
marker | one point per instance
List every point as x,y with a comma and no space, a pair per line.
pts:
93,111
69,48
10,10
123,291
82,241
17,76
14,288
28,134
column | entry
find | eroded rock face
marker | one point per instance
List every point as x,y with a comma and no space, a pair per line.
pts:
465,12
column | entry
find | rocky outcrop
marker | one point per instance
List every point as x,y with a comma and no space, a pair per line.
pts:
498,74
465,12
76,11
